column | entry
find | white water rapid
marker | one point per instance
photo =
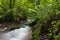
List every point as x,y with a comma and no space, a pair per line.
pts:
17,34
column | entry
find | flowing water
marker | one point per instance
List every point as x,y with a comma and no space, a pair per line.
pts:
23,33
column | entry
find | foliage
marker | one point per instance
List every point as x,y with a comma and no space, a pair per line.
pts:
48,12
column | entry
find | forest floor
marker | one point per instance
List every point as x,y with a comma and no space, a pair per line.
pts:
8,26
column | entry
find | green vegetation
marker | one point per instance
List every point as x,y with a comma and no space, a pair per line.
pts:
48,12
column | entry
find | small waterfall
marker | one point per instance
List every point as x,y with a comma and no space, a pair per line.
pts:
17,34
23,33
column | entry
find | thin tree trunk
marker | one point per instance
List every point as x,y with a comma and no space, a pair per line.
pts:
37,2
14,2
11,5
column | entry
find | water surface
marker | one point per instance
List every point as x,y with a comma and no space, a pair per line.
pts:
23,33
